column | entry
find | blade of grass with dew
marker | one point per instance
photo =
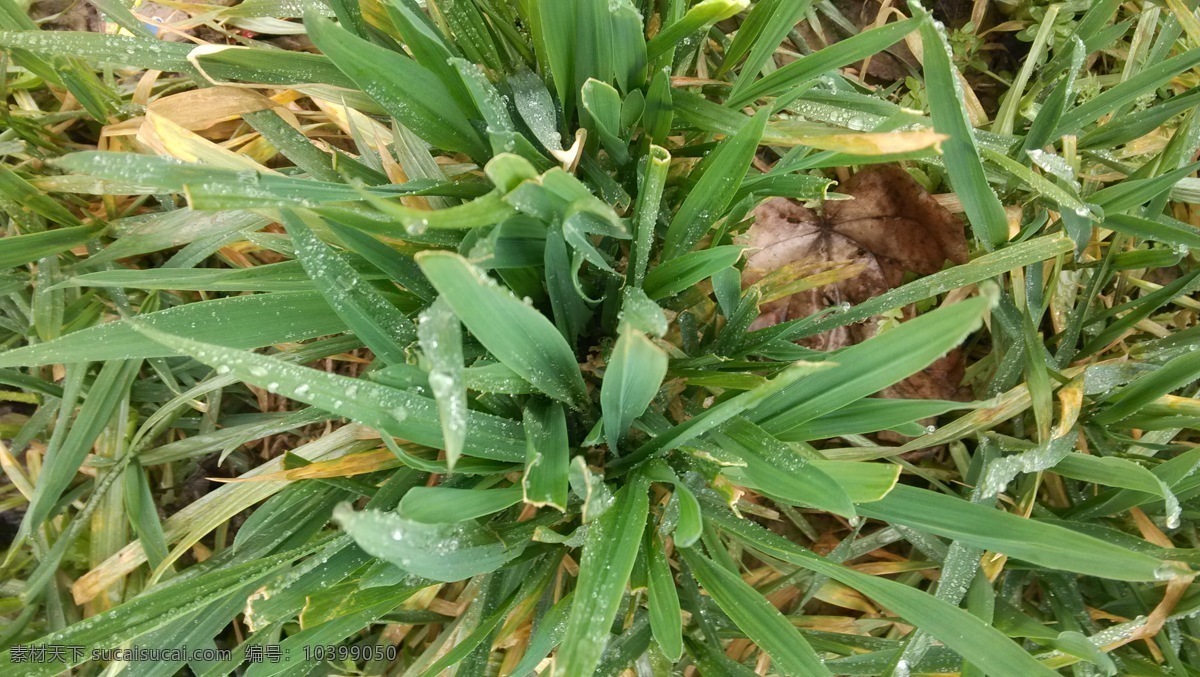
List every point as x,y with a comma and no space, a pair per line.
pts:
690,525
408,91
440,335
754,615
391,411
512,331
964,167
718,414
450,551
1036,542
22,249
437,505
153,610
972,638
699,16
775,469
864,369
662,600
632,378
547,455
609,552
379,324
236,322
837,55
988,265
685,271
721,175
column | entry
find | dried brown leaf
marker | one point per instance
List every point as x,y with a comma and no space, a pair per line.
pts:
891,227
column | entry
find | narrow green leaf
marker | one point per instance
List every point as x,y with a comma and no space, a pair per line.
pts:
515,333
379,324
862,482
1111,471
1171,376
1130,193
547,455
833,57
439,505
632,378
988,265
406,90
1150,78
779,471
394,412
761,621
236,322
22,249
62,461
868,367
690,525
440,552
651,180
683,272
1163,229
699,16
722,173
1036,542
718,414
765,27
868,416
663,600
440,334
964,168
21,193
151,611
609,551
976,641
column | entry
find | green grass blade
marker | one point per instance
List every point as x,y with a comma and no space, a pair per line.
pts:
391,411
631,380
406,90
777,470
651,180
438,505
513,332
761,621
237,322
1148,79
62,462
837,55
22,249
965,169
719,414
152,610
699,16
440,552
868,367
379,324
1036,542
609,551
18,191
982,268
976,641
765,27
722,174
683,272
662,600
441,341
547,455
1171,376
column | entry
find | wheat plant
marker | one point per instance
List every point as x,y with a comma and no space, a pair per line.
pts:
479,316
